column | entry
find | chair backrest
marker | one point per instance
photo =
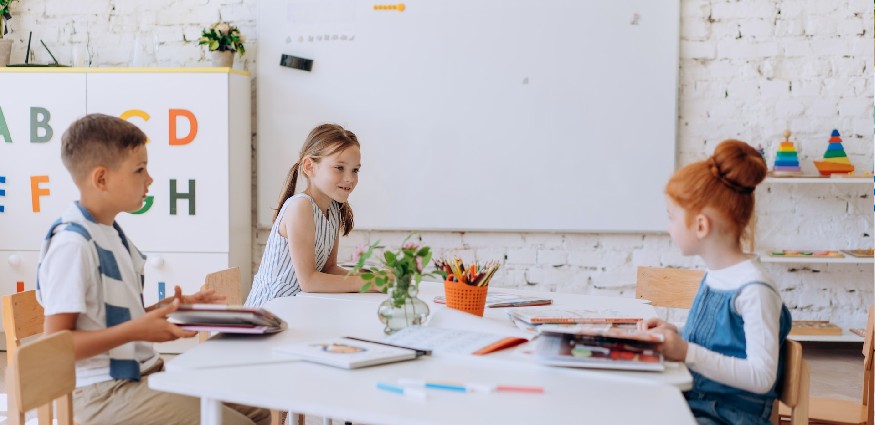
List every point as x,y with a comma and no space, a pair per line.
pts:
48,368
23,317
868,374
674,288
226,282
794,386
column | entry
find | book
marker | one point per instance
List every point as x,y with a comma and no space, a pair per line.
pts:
500,299
450,332
558,315
599,346
815,327
347,353
227,319
453,341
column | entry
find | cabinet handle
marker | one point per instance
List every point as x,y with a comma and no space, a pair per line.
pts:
156,261
14,260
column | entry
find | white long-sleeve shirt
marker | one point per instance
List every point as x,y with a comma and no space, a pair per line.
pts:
760,307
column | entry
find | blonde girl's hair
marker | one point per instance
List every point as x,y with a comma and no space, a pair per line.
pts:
324,140
724,183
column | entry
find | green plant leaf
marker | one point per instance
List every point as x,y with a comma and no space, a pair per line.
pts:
367,276
366,287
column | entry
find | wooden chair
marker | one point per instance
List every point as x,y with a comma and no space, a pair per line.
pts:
23,317
41,372
673,288
832,411
227,282
794,386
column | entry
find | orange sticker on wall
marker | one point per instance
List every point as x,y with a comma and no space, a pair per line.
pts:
399,7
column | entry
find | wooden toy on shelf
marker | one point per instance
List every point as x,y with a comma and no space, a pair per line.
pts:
862,253
835,160
797,253
786,161
815,327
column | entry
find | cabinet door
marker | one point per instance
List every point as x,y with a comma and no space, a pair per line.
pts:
17,268
185,116
164,271
35,188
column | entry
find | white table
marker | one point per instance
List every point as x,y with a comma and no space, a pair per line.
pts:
244,369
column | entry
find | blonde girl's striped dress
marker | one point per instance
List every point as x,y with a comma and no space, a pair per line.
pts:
276,275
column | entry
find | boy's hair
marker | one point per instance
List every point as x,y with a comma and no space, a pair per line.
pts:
724,183
98,140
324,140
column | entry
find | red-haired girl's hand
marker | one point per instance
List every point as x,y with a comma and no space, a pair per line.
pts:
655,322
674,347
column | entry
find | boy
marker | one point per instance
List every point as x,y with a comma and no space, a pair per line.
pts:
90,282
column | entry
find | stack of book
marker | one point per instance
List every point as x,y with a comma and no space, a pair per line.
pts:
227,319
598,338
600,346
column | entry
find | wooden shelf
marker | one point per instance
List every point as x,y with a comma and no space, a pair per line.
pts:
847,259
846,336
819,180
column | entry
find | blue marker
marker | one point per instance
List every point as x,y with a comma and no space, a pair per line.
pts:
161,294
407,392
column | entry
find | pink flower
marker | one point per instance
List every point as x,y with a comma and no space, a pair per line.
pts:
359,250
419,264
410,245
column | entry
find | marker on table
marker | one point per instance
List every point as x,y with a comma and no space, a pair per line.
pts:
470,387
407,392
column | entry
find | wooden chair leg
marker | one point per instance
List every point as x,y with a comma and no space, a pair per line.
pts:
44,413
64,409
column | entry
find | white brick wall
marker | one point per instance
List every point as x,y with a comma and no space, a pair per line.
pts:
748,70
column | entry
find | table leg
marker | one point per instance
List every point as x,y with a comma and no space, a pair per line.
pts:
211,411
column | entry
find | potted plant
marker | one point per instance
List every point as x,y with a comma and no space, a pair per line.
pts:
223,40
5,44
398,274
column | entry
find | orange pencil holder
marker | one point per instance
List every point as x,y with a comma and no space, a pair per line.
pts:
467,298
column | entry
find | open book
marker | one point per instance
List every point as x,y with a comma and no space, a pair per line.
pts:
347,353
228,319
538,316
501,299
450,332
601,346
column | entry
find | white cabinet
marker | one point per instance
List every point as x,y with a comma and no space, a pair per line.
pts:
823,236
197,218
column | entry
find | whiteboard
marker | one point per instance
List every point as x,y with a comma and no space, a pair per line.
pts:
492,115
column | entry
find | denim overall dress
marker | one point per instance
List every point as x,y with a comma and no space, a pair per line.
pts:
714,324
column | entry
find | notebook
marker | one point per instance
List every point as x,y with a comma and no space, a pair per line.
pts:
499,299
537,316
599,346
227,319
346,353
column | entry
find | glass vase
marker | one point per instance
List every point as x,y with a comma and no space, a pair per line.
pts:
402,308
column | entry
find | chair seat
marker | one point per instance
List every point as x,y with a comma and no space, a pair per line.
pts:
831,411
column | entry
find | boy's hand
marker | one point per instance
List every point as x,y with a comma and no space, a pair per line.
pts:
154,327
674,347
206,296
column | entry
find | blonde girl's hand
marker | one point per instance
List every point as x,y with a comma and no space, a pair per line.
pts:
674,347
154,327
204,296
